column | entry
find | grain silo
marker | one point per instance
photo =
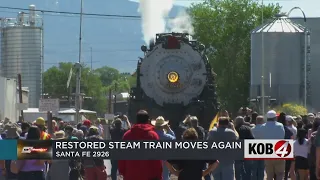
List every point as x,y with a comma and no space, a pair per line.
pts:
22,51
280,46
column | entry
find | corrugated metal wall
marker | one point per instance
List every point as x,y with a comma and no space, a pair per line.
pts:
283,55
313,24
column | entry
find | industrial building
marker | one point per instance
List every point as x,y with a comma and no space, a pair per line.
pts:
289,45
22,51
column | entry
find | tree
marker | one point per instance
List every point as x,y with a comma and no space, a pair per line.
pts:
110,77
292,109
224,27
107,75
55,85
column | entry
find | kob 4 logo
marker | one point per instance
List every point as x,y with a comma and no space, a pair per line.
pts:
268,149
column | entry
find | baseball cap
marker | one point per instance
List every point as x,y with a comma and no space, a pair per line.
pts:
271,114
87,122
289,118
310,114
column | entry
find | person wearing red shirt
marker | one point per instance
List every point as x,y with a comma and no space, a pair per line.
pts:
141,169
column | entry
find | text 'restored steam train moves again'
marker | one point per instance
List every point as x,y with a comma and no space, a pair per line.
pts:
174,79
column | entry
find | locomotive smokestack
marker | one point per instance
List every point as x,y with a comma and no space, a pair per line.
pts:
151,44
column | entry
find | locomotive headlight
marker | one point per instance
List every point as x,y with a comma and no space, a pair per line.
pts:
173,77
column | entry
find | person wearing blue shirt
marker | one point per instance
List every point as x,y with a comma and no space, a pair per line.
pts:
258,166
164,132
273,130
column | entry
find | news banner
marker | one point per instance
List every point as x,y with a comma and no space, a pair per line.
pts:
148,150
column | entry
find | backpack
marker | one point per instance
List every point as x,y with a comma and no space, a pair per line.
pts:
312,151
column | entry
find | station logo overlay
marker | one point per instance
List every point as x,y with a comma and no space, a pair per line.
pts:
268,149
31,149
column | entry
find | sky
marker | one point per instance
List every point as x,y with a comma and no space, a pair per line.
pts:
98,39
310,7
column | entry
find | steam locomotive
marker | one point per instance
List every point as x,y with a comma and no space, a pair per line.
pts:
174,79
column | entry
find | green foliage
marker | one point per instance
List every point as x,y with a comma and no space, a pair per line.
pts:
94,84
224,27
292,109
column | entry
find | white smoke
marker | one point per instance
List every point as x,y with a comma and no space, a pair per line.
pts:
153,14
181,24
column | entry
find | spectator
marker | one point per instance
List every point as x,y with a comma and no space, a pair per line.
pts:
287,135
141,170
117,133
273,130
223,132
184,125
258,166
61,166
243,168
79,125
40,123
312,151
94,168
125,122
300,148
311,117
54,126
165,133
299,124
24,128
307,121
87,123
194,123
84,130
2,170
69,133
191,169
79,134
290,126
254,116
30,169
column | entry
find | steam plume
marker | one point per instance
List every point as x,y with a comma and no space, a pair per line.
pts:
182,23
153,14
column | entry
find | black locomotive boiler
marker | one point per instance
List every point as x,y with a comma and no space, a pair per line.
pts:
174,79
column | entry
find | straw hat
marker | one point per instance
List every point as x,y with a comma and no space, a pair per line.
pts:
59,135
159,122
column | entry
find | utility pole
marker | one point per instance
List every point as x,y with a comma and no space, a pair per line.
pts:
91,57
262,66
115,98
78,69
42,56
20,95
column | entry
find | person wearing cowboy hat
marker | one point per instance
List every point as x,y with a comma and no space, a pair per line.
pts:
59,135
164,132
163,129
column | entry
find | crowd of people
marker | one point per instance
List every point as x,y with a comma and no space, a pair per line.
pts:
247,125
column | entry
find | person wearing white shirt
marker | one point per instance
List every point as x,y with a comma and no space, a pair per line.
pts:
291,127
300,149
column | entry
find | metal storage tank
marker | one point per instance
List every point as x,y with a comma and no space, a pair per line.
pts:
22,51
283,43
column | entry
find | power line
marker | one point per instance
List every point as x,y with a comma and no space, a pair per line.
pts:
74,13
